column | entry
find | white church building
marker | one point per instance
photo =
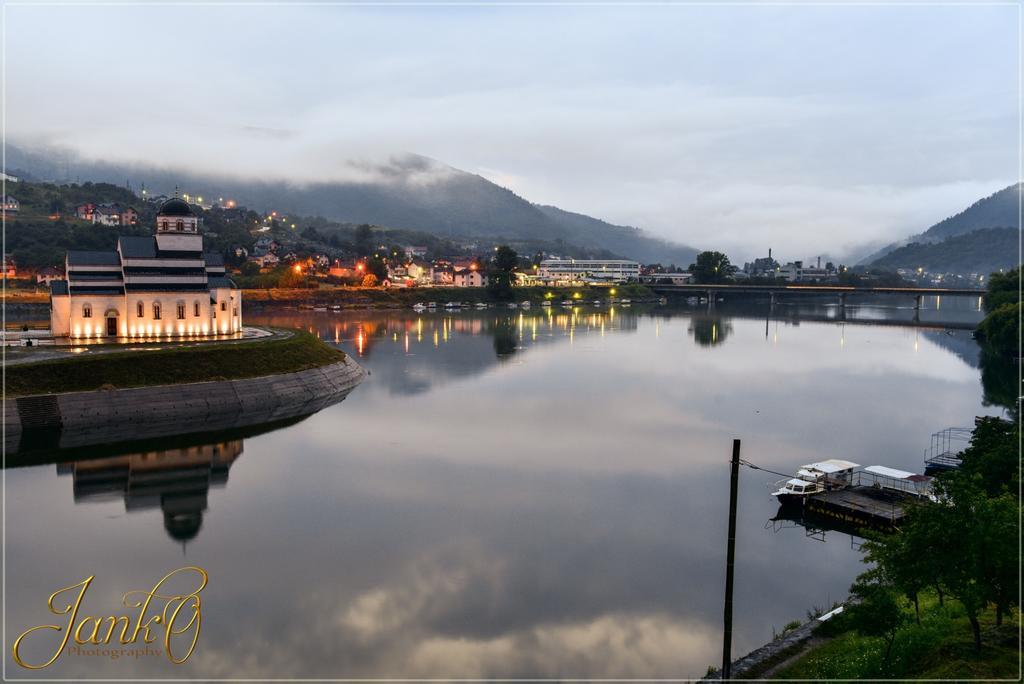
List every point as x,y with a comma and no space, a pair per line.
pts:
156,286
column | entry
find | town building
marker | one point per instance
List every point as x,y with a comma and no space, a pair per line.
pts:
148,286
11,205
10,268
796,272
680,278
573,270
470,277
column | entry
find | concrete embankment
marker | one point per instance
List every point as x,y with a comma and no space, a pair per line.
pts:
74,419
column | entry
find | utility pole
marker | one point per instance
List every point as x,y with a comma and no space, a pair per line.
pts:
730,562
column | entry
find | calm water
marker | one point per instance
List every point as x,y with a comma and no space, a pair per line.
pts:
536,494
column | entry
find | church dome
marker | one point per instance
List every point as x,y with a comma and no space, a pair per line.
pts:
175,207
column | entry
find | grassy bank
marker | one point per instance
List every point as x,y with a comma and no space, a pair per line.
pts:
201,363
941,647
359,297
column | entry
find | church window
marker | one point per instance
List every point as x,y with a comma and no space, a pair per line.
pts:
181,311
181,225
156,311
87,311
140,310
195,308
223,306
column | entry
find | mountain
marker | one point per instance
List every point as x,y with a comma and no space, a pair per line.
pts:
408,192
980,251
998,210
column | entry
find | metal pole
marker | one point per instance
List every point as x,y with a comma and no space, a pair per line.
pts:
730,561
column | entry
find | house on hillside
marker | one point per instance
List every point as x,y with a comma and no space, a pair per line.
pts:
85,211
10,268
11,205
107,215
48,274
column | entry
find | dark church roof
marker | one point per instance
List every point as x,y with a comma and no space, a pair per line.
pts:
137,246
175,207
93,258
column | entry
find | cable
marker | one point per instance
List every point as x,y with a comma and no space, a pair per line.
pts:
753,466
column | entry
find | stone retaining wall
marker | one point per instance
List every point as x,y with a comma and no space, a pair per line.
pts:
109,416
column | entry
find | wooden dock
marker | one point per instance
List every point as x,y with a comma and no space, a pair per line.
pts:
861,506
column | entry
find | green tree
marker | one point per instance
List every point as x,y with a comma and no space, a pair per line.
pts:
876,609
711,267
503,267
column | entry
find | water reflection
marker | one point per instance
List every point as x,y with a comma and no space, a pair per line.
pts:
509,494
177,481
708,332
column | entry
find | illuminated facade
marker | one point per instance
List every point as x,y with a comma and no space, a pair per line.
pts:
570,270
163,285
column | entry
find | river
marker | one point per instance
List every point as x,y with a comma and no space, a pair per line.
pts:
535,493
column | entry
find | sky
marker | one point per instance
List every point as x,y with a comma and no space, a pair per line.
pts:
811,129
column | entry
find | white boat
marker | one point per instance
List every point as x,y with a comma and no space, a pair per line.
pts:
625,301
431,305
512,305
795,490
525,305
453,305
418,307
566,302
319,308
545,303
812,478
481,305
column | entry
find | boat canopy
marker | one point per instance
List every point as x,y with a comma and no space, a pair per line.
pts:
832,465
889,472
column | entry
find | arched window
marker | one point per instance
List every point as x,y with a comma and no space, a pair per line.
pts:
87,311
156,311
181,311
180,225
195,309
140,310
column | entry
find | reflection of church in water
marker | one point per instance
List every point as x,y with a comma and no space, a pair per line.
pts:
176,481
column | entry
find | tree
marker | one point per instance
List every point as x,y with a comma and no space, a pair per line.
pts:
503,268
711,267
876,611
364,239
370,280
250,268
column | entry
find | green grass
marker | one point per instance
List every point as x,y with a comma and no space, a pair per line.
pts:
942,647
201,363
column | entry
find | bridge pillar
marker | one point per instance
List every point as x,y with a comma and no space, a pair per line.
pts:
842,300
771,301
917,303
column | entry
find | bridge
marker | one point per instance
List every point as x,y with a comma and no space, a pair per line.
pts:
711,292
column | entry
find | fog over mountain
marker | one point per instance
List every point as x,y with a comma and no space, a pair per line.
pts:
982,238
409,191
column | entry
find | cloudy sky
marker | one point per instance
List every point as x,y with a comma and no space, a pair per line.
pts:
807,128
